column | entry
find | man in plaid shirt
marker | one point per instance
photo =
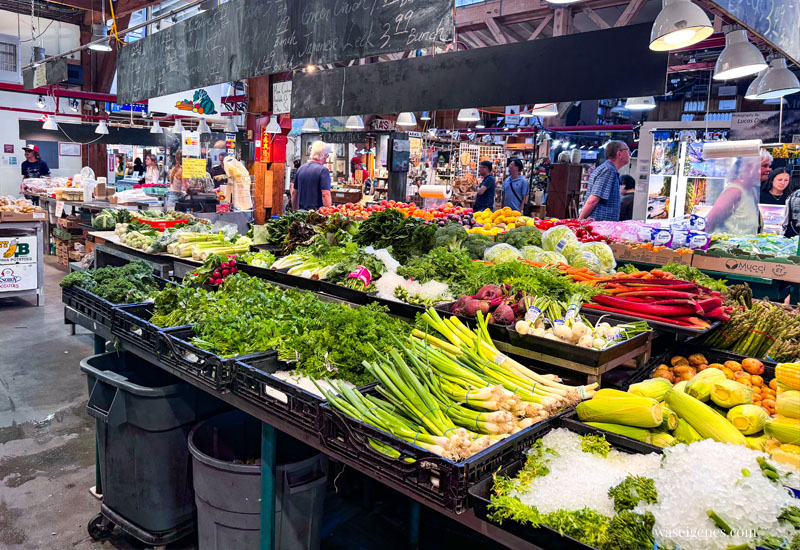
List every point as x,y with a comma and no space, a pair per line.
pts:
602,194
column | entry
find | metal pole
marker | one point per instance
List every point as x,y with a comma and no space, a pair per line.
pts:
268,446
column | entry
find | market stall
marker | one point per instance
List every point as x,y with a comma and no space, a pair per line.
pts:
21,250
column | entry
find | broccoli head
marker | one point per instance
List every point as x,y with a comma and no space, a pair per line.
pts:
476,244
522,236
451,236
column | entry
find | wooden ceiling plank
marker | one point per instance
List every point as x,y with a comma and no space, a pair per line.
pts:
496,31
595,17
630,13
544,22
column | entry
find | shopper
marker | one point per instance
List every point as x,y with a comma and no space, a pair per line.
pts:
218,173
138,168
151,173
312,185
736,209
485,192
177,186
627,188
516,187
34,166
777,188
120,171
791,220
602,194
766,164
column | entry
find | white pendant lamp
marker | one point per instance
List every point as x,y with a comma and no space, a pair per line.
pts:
178,128
425,115
406,119
354,122
778,81
480,125
230,126
545,109
645,103
739,58
619,108
310,125
50,124
776,101
156,128
273,127
679,24
99,33
469,115
101,128
203,127
752,89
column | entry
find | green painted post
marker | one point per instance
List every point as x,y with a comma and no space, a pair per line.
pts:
268,446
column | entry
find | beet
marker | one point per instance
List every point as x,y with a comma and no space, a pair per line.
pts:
503,315
458,307
472,308
489,292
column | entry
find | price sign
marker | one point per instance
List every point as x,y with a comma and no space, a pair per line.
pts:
59,208
281,97
40,76
193,168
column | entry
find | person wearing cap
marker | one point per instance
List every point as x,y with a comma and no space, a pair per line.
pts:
34,166
359,174
218,173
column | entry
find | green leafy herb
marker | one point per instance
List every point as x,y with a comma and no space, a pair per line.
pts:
688,273
595,444
129,284
631,491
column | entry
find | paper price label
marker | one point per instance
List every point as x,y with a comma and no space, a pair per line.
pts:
193,168
59,208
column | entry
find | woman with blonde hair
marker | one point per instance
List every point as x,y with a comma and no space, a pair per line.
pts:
177,185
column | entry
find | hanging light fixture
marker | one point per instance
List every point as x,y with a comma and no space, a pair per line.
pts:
775,101
354,122
202,127
178,128
739,58
40,102
310,125
545,109
525,112
425,115
50,124
679,24
433,132
469,115
99,33
273,127
645,103
752,89
406,119
38,56
778,81
156,128
230,126
480,125
101,128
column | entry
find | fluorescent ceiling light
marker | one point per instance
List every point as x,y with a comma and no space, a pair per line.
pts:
778,81
545,109
273,127
230,126
525,112
310,125
469,115
645,103
203,127
354,122
406,119
50,124
739,58
101,128
679,24
156,128
752,89
99,33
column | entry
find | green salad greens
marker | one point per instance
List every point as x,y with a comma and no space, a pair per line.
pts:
129,284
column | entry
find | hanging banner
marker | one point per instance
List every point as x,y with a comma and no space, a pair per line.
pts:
200,102
763,125
190,144
193,168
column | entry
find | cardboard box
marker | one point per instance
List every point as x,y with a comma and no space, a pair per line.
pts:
30,217
751,268
642,255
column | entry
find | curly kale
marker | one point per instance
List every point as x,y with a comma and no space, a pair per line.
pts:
406,237
131,283
631,491
451,236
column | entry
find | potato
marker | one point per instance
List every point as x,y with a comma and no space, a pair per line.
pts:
681,369
735,366
753,366
756,380
686,376
719,366
728,373
701,368
697,359
768,404
679,360
740,376
773,384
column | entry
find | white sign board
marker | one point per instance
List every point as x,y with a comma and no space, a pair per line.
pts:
22,250
59,208
282,97
18,277
202,102
190,144
40,76
512,115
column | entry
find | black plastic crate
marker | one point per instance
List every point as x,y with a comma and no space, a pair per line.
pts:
544,537
132,325
396,307
439,480
281,276
344,293
206,367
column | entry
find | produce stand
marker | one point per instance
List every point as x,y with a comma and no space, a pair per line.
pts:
22,274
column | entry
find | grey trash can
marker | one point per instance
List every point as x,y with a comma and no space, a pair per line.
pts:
226,453
143,417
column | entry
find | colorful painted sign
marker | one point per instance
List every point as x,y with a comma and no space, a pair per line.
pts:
201,102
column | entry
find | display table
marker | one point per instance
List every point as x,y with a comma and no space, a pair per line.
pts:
22,260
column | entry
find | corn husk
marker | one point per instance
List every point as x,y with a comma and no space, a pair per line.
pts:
703,419
670,421
757,443
684,433
785,430
662,439
680,386
788,455
788,404
699,387
728,393
654,388
608,392
638,434
748,419
641,412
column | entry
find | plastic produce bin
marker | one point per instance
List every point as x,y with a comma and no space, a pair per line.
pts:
226,454
143,417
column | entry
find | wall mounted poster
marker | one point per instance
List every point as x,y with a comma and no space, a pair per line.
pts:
665,158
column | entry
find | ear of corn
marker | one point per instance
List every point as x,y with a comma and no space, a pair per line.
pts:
757,443
728,393
638,434
788,404
608,392
641,412
670,421
785,430
748,419
681,386
684,432
662,439
787,454
789,374
654,388
699,387
703,419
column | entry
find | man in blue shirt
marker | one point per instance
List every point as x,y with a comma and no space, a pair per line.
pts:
516,187
34,166
602,194
312,184
485,197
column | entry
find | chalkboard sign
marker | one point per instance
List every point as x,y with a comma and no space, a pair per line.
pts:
776,21
245,38
55,72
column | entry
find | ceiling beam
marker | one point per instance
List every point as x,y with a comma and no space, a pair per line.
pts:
497,33
475,39
121,9
514,35
630,13
508,12
542,24
562,21
593,15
